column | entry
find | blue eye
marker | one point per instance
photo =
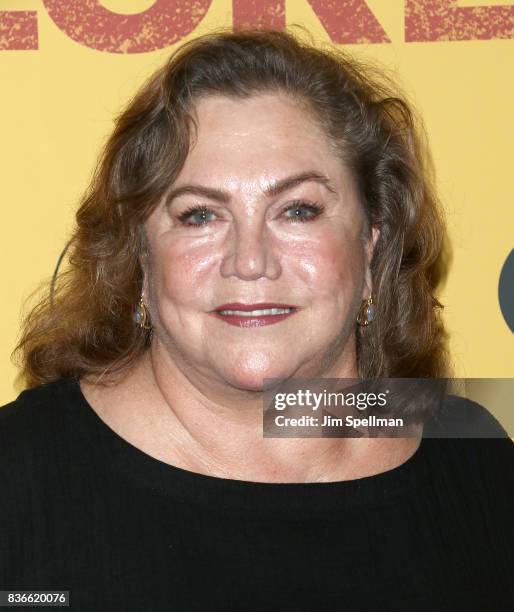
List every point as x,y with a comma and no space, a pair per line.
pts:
303,211
198,215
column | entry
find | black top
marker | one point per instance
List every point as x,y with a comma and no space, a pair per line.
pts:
83,510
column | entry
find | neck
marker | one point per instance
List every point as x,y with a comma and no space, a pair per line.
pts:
198,430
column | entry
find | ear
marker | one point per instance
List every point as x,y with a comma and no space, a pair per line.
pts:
369,249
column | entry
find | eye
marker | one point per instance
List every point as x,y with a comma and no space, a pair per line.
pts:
199,215
303,211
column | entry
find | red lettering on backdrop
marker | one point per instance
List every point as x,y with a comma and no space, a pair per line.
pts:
435,20
168,21
349,21
258,14
164,23
18,30
345,21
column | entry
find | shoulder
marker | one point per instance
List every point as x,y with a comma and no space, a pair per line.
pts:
468,444
460,417
42,401
35,417
474,471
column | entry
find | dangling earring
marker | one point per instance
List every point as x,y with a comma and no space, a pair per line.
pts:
367,312
141,317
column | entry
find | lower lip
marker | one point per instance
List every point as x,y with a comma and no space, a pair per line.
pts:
254,321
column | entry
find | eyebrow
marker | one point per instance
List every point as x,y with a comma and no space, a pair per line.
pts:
271,191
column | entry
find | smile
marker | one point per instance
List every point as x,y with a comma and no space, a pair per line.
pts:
254,318
256,313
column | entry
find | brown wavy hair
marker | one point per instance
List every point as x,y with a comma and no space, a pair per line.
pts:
83,323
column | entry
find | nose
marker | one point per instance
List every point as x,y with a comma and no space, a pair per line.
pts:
250,253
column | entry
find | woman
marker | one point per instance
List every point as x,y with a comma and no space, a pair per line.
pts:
262,210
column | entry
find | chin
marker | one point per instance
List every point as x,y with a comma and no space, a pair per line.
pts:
251,374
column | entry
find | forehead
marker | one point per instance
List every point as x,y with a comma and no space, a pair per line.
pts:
265,134
224,113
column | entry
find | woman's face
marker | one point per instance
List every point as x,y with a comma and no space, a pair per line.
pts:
266,213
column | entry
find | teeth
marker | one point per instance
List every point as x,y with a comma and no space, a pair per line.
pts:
255,313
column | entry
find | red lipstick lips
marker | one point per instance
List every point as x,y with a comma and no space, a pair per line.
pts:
232,313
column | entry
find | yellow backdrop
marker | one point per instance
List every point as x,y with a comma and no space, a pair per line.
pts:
58,101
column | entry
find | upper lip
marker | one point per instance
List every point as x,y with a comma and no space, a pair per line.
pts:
248,307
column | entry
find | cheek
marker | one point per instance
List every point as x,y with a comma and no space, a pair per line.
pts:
182,273
330,265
